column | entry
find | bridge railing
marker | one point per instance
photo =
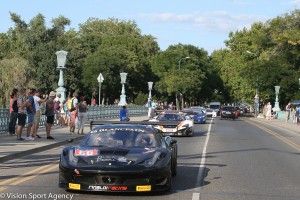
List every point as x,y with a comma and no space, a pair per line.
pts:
94,112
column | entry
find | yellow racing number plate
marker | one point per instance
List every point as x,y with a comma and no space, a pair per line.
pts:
74,186
143,188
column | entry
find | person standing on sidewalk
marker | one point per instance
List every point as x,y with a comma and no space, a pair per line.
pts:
73,111
149,104
50,113
13,109
269,111
288,112
297,114
82,114
30,113
21,113
37,101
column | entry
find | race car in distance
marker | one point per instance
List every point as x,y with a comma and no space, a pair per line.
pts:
179,124
198,115
228,112
119,158
211,113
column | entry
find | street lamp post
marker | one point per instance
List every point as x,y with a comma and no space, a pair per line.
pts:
150,84
177,102
276,107
100,80
123,96
61,62
256,98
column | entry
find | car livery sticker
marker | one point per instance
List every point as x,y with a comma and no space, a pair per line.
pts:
111,159
143,188
89,152
107,188
117,129
74,186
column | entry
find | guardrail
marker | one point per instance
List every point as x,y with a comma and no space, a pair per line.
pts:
94,112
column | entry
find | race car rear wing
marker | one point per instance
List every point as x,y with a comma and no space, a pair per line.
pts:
162,123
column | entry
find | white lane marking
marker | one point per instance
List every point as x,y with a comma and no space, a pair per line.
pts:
196,196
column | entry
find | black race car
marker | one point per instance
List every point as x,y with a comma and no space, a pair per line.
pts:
119,158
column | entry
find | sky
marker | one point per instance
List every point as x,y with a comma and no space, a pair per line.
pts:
202,23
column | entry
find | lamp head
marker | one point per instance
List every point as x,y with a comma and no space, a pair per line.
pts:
277,88
61,58
123,77
150,84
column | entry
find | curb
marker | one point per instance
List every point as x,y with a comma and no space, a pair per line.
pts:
37,150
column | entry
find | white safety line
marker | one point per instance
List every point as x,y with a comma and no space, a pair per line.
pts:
196,196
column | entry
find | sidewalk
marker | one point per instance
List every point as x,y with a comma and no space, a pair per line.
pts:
293,127
10,148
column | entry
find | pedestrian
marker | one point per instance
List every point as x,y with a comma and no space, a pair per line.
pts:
63,111
38,102
50,113
123,114
30,113
21,113
293,113
297,114
269,111
13,109
57,108
68,110
73,111
149,104
154,106
93,102
288,112
82,114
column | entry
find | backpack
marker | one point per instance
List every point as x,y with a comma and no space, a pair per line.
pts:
43,108
70,105
57,105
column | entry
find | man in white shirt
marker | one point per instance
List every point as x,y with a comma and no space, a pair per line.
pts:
37,102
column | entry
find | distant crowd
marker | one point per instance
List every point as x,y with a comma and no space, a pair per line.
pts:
29,105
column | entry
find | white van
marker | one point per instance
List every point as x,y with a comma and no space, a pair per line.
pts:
215,106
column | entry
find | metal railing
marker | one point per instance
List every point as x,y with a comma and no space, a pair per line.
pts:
94,112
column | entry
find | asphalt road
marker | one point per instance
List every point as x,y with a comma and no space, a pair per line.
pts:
225,159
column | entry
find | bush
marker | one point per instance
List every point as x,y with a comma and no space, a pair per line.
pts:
141,99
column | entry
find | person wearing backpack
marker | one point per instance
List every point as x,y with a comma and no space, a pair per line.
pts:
13,108
50,113
22,104
73,111
57,108
82,114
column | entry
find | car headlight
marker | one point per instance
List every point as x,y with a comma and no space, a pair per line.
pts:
72,159
158,156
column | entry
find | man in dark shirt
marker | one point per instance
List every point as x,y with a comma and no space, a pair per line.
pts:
50,113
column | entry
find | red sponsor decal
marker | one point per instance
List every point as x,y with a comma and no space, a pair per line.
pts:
118,188
91,152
